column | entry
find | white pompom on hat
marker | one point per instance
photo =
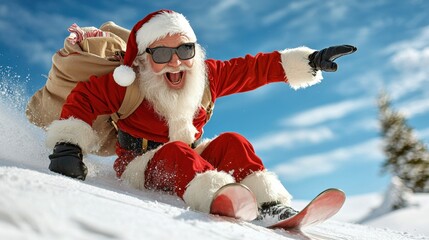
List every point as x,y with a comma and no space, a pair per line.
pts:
153,27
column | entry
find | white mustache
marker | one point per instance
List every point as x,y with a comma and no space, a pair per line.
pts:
173,70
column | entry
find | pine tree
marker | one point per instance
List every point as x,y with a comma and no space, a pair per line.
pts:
407,157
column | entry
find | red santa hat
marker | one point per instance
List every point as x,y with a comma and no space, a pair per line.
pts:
153,27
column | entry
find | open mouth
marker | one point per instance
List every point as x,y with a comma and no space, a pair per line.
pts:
175,79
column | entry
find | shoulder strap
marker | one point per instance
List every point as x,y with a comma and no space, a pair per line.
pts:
207,102
133,98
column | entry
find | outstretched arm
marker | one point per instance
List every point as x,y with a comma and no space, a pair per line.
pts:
300,67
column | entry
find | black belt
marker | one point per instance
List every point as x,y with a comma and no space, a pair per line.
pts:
139,145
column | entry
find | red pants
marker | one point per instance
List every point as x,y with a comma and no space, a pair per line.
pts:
176,164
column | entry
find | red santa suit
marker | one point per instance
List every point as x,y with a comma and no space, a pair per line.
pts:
193,174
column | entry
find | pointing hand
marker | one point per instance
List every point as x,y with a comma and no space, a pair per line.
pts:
324,59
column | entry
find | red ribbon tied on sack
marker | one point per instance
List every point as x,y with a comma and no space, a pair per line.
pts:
77,34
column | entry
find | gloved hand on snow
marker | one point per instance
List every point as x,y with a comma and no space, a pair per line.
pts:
66,159
324,59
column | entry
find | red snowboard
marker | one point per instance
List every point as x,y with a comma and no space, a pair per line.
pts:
235,200
320,209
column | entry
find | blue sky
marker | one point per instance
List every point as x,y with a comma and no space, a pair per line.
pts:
319,137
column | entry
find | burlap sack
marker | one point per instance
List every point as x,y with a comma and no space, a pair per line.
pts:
76,63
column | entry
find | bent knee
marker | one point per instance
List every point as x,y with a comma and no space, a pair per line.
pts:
232,137
176,147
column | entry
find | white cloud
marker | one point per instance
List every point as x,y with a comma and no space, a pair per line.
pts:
19,26
327,112
325,163
402,68
410,59
424,133
337,9
289,139
38,34
282,13
220,20
367,83
225,5
415,107
370,123
418,41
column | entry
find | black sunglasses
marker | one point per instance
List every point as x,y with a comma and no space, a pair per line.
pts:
164,54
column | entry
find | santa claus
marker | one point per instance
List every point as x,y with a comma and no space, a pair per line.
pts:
159,145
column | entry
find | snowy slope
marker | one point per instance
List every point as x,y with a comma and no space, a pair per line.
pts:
46,206
38,204
413,219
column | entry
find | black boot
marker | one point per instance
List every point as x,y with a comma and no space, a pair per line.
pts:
274,212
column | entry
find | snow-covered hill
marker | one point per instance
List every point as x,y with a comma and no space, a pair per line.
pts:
38,204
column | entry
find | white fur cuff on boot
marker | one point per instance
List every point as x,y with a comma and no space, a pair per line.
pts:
267,188
134,173
200,191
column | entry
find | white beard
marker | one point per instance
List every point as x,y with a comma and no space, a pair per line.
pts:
176,107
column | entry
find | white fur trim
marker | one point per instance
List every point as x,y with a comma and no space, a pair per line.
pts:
200,191
124,75
73,131
134,173
298,72
202,145
267,187
160,26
